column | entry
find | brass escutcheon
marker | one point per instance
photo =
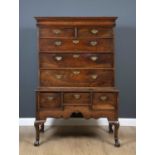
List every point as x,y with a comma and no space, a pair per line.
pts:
50,98
76,72
58,58
56,31
58,76
76,55
103,98
93,58
94,76
93,43
94,31
58,43
77,96
76,41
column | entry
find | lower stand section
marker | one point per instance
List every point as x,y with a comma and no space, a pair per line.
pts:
116,127
39,126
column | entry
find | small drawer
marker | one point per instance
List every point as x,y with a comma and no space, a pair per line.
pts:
100,32
99,45
52,32
76,98
78,60
104,101
49,100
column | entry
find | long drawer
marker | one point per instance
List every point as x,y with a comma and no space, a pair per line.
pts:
104,45
79,60
76,77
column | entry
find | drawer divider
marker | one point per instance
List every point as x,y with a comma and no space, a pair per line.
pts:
62,100
91,99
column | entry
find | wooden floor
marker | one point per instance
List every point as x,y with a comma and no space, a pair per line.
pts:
77,140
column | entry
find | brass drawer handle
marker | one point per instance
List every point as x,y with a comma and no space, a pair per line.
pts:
93,43
94,31
76,55
58,76
56,31
76,72
76,41
50,98
93,58
58,58
77,96
94,76
58,43
103,98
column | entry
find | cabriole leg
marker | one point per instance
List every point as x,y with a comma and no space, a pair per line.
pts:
110,128
116,127
37,125
42,127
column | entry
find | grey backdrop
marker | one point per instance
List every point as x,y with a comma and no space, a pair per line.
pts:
125,45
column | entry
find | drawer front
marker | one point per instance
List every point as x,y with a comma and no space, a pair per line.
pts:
47,32
76,77
49,100
104,101
104,45
76,98
95,32
78,60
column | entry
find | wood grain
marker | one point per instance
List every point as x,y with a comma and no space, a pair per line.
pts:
76,70
76,21
76,78
78,60
102,45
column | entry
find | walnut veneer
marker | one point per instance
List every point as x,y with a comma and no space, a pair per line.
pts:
76,70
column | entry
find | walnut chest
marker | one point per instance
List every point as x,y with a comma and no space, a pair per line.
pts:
76,70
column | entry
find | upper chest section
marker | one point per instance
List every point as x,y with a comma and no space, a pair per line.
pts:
76,27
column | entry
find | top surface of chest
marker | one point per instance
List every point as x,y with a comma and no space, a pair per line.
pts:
85,21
